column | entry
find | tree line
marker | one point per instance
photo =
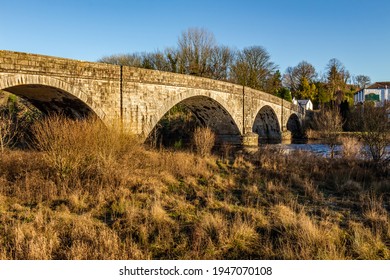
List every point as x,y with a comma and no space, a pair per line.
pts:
198,53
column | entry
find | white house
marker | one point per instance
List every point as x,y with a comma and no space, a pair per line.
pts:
378,92
305,104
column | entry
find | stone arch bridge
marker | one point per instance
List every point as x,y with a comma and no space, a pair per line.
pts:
141,97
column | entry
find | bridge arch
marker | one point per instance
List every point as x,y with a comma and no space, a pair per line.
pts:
294,126
209,110
266,124
50,95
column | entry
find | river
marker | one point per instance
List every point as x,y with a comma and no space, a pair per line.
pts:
315,147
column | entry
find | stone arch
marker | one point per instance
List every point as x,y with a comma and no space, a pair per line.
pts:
210,113
266,124
294,126
50,95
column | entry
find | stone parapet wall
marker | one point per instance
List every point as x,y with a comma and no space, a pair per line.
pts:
16,62
139,75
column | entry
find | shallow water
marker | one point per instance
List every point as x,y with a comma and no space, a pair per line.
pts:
317,148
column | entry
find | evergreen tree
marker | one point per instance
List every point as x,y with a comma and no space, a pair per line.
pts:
306,90
274,83
285,94
337,78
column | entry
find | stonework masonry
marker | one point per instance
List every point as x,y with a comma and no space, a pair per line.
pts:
141,97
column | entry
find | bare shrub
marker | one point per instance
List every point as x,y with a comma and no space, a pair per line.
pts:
330,124
352,148
64,143
8,129
375,130
204,140
74,147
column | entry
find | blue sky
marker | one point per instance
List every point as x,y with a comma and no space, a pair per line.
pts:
355,32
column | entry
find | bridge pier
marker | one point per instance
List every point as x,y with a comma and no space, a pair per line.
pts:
286,135
250,139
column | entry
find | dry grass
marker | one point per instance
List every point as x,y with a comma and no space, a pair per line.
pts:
92,192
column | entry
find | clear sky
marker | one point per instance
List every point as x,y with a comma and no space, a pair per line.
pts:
356,32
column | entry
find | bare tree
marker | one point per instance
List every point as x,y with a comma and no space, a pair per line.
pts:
172,57
195,47
253,67
362,81
134,60
294,76
330,123
220,61
156,61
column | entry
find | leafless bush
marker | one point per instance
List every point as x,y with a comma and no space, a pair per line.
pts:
375,129
8,130
351,147
76,146
204,139
330,124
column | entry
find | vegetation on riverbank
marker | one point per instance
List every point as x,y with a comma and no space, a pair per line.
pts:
85,191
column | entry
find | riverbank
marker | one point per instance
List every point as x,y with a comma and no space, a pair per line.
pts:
80,196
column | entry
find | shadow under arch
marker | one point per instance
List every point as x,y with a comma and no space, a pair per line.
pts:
51,96
203,111
295,127
267,126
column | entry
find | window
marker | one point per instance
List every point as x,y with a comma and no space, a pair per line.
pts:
372,97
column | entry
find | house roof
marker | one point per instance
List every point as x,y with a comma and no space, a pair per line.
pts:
379,85
303,101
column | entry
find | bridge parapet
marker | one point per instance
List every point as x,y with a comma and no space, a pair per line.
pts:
139,75
16,62
253,93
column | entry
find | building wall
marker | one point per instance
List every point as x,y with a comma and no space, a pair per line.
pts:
361,95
